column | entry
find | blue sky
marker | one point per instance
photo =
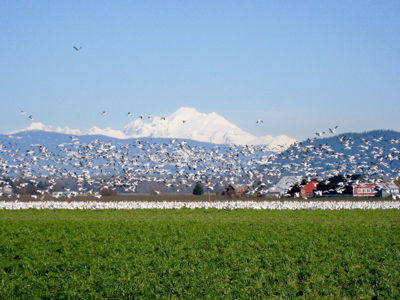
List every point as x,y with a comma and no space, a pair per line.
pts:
301,66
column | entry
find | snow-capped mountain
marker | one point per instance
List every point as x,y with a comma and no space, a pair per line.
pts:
185,123
41,127
36,126
106,131
188,123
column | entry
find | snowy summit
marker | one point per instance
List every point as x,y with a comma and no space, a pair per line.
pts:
188,123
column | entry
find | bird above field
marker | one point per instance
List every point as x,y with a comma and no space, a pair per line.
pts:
259,121
31,118
333,130
77,49
310,140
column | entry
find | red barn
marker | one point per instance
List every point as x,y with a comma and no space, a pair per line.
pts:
309,188
364,189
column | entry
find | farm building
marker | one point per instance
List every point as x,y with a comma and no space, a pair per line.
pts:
284,185
364,190
304,188
6,190
387,189
354,185
236,190
259,190
308,189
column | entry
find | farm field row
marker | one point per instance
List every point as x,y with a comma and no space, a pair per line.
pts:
192,254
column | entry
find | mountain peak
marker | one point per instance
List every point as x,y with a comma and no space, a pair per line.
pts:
185,113
185,110
188,123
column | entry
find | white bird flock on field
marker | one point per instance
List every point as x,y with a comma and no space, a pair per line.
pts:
227,205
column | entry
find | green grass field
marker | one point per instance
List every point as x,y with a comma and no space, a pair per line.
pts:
199,254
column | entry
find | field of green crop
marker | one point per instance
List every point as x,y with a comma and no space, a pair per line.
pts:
199,254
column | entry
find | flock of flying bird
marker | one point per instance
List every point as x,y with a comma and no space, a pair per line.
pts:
97,165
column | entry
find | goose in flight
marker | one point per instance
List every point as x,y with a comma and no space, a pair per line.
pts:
22,112
333,130
104,112
141,117
163,118
31,118
129,114
77,49
260,121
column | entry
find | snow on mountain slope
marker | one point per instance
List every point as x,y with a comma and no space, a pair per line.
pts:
42,127
92,131
188,123
185,123
106,131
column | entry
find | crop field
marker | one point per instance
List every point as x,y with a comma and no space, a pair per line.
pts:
199,254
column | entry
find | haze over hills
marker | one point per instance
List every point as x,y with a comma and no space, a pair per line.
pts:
185,123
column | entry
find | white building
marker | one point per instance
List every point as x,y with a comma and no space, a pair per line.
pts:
284,185
6,190
387,189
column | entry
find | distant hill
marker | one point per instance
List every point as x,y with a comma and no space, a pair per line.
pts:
385,134
373,153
